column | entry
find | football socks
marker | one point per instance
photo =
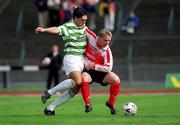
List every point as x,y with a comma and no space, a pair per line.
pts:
66,96
62,86
114,91
85,91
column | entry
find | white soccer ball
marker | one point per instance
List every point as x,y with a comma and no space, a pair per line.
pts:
46,61
130,109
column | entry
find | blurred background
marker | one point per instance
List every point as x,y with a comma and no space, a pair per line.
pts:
145,46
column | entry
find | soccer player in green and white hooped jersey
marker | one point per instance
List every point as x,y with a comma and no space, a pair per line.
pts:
74,35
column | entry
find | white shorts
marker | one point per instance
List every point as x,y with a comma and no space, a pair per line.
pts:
73,63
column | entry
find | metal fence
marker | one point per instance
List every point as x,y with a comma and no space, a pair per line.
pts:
20,78
141,74
145,73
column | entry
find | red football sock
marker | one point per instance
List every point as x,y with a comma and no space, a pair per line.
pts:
114,91
85,91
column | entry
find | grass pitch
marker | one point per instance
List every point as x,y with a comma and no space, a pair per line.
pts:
152,110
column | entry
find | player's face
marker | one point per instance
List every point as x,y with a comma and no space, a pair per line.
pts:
80,21
55,48
104,41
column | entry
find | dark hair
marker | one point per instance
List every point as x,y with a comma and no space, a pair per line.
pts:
79,12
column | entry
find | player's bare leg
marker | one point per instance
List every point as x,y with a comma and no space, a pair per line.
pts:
76,76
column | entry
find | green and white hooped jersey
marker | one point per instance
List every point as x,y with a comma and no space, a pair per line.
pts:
74,38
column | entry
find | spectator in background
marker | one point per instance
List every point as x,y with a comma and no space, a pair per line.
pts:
53,61
79,3
91,8
53,9
131,23
42,12
65,11
107,8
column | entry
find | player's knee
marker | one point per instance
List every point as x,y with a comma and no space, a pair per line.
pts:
78,81
76,77
86,77
114,78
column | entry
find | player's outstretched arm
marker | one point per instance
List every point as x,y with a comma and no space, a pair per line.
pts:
53,30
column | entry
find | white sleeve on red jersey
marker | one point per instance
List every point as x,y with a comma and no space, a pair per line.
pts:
108,62
91,36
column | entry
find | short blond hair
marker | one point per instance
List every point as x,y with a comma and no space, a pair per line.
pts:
103,32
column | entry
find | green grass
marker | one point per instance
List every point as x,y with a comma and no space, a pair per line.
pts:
152,110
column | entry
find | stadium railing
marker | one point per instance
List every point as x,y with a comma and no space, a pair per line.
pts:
137,68
27,75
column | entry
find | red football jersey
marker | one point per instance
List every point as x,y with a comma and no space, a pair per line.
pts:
102,57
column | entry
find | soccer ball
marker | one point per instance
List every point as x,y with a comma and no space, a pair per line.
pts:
46,61
129,109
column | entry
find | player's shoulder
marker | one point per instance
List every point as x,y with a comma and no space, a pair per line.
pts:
91,33
68,24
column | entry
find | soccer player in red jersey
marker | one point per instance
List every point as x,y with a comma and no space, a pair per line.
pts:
98,66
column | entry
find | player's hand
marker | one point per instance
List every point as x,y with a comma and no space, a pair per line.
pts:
90,65
87,67
40,29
